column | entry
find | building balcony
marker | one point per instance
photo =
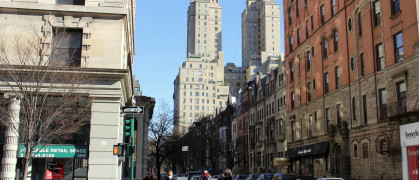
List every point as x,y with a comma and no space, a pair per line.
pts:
399,108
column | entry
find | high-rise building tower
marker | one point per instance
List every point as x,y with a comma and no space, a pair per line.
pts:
204,28
261,40
199,88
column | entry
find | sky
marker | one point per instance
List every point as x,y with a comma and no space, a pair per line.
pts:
159,54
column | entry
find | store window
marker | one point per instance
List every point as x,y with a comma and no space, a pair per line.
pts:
413,156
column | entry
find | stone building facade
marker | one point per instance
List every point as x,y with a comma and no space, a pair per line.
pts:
102,35
349,65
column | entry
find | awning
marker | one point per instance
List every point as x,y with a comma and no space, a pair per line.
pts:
282,162
308,150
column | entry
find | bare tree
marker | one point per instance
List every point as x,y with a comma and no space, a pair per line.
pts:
161,138
51,85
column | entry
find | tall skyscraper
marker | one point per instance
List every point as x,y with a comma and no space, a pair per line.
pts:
199,88
261,40
204,28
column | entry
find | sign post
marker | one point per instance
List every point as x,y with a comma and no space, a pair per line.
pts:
186,149
129,133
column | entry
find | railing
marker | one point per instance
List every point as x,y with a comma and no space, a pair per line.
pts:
399,107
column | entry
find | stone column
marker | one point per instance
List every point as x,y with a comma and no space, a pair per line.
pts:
10,147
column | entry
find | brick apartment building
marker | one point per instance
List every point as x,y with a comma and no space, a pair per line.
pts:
351,70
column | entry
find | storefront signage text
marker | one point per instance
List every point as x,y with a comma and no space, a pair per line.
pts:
412,135
53,151
304,151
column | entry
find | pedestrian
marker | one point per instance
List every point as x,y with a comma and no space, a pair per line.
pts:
228,175
170,175
205,175
148,177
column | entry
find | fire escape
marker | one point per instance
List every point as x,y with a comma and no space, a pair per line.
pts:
394,113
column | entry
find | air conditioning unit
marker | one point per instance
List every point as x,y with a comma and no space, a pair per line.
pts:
305,5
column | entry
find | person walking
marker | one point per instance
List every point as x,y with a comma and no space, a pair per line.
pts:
228,175
205,175
170,176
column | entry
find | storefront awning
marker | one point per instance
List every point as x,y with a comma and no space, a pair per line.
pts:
308,150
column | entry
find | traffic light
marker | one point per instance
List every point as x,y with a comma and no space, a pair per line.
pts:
118,150
129,128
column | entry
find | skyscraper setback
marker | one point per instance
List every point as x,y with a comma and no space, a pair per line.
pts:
261,40
199,88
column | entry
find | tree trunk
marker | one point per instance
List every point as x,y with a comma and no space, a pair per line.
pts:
25,171
158,166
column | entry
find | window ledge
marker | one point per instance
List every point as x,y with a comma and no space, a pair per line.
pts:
393,16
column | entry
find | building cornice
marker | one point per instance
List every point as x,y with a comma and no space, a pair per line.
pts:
36,8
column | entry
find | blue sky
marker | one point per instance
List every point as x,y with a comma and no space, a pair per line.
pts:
158,54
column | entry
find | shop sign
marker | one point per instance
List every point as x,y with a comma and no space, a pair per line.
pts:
308,150
409,134
56,151
55,170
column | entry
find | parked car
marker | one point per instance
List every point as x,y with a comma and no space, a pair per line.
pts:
252,177
284,176
330,178
241,177
265,177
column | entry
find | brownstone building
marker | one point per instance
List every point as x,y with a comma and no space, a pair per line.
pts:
351,70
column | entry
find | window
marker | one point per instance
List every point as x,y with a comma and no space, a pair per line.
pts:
312,24
401,96
333,7
339,114
281,126
292,100
379,49
362,65
377,13
352,64
382,101
310,126
337,73
308,61
324,45
355,150
353,108
298,8
326,82
293,130
70,2
68,47
309,93
365,150
314,84
298,37
360,24
290,42
307,29
289,16
364,106
398,47
291,72
327,115
395,7
335,40
322,14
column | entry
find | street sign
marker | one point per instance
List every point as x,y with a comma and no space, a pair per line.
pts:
135,109
185,148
